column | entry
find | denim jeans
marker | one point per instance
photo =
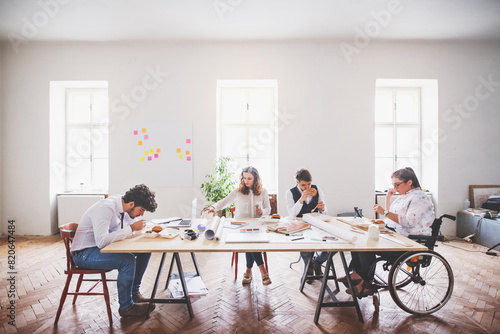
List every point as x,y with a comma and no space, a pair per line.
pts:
322,257
131,268
254,257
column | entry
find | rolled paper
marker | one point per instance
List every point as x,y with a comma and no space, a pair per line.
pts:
212,228
338,232
218,234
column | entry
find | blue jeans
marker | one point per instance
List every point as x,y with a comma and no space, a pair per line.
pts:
254,257
322,257
131,268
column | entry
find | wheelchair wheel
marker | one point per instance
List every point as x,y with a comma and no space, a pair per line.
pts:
381,275
430,282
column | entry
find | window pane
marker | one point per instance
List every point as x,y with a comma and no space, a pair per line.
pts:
407,106
261,105
78,143
100,174
261,142
233,106
384,142
383,106
100,106
234,142
384,167
407,140
78,171
100,143
78,107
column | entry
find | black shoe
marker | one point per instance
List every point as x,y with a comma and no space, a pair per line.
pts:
317,269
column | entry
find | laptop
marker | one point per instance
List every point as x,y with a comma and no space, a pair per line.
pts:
178,221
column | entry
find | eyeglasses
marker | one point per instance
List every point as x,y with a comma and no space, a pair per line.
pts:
396,185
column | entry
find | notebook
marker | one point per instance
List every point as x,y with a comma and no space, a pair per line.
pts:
233,237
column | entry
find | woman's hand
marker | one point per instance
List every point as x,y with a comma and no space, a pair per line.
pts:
378,209
391,192
210,209
258,210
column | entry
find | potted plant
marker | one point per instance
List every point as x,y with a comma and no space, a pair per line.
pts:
220,183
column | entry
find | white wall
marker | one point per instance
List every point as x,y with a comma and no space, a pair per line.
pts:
327,101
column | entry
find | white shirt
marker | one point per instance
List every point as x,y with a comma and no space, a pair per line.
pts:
245,205
100,225
295,207
415,213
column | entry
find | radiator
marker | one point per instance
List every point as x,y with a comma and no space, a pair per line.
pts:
70,208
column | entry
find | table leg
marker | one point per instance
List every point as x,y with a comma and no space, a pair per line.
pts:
304,274
324,287
160,268
195,264
183,282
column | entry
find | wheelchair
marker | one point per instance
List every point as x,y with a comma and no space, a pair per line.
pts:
420,282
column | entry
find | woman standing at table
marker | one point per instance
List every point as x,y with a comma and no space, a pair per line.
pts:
251,200
411,213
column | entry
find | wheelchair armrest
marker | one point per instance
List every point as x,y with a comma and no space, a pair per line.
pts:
421,238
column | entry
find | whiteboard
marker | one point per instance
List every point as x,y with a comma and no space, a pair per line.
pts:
162,154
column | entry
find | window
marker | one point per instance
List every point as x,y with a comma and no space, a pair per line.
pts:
247,126
86,152
397,132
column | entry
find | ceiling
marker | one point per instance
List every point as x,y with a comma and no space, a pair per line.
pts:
225,20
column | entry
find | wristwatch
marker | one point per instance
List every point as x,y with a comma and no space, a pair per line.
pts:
386,212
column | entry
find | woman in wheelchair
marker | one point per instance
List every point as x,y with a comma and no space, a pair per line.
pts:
411,213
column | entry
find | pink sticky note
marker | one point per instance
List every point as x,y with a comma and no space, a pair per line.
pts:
150,158
146,136
188,141
156,155
136,132
188,158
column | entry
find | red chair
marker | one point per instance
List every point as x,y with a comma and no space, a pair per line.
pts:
67,233
234,259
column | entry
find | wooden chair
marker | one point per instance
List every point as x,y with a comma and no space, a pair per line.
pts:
67,233
234,259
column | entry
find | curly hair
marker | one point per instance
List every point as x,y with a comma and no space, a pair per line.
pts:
407,174
257,184
141,196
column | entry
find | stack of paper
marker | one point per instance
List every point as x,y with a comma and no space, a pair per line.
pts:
195,286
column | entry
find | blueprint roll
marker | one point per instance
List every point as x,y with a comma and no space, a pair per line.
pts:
212,228
218,234
342,234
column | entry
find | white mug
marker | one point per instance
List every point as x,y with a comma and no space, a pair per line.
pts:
373,232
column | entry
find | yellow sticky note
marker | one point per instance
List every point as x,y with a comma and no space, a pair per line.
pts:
144,130
187,152
146,152
178,150
158,150
139,142
142,159
152,150
180,156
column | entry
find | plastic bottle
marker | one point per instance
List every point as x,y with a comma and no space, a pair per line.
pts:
466,204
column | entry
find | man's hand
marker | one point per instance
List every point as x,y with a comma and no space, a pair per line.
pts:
321,206
138,225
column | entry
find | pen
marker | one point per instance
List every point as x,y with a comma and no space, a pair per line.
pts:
298,239
317,239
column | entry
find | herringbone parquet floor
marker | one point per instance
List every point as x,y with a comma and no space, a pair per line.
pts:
231,308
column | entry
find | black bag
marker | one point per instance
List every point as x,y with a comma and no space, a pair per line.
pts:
492,204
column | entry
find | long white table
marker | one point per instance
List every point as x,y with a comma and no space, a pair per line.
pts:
141,244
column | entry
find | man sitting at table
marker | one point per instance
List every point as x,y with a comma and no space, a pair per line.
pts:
112,219
306,198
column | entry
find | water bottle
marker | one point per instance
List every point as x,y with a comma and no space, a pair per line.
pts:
466,204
